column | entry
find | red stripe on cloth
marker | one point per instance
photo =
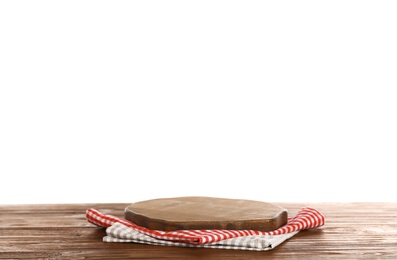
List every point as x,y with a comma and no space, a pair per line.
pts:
102,220
306,218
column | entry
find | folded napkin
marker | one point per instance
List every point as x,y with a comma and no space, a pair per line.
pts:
122,230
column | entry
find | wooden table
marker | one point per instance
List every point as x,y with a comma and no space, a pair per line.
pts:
352,231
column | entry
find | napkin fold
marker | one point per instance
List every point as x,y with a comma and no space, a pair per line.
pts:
122,230
121,233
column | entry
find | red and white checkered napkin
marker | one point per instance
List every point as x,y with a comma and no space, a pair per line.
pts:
122,230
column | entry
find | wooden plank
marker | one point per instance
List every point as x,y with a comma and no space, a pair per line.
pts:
191,213
352,231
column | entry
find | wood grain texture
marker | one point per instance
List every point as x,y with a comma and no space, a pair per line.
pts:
352,231
190,213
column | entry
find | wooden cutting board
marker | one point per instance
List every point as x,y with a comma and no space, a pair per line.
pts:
206,213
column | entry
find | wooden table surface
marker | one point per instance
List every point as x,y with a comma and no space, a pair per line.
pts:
352,231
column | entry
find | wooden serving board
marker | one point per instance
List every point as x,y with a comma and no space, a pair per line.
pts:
206,213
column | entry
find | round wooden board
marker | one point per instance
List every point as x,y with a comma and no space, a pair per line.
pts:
206,213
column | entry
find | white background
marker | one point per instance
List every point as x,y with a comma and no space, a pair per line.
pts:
121,101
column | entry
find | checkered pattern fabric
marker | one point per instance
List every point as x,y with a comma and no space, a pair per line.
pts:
121,233
122,230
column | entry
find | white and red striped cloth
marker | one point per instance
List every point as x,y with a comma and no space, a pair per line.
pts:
122,230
